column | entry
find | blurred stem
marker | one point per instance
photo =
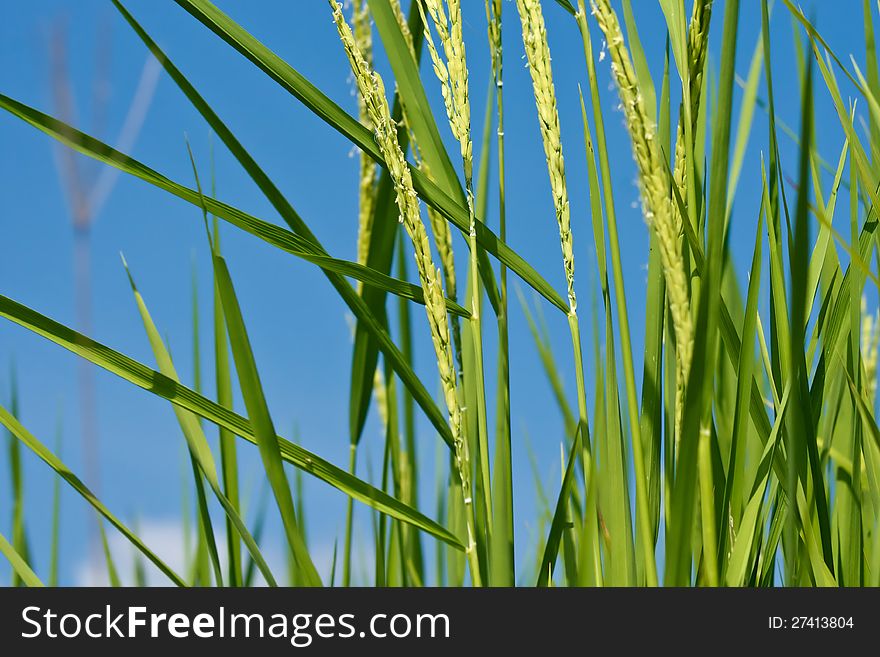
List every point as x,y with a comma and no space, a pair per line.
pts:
502,567
85,372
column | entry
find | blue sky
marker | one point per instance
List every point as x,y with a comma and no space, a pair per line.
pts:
299,328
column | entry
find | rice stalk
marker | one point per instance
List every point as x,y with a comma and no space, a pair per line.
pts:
503,571
372,89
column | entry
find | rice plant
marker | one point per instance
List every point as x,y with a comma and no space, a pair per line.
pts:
731,441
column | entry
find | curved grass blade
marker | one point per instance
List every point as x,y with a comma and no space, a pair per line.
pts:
803,427
733,488
228,452
744,126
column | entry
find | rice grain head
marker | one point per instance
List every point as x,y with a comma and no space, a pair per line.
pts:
493,19
452,73
538,56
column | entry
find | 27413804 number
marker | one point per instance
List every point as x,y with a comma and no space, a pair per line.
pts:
810,622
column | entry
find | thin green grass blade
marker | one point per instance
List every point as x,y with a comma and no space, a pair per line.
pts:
474,377
744,126
742,553
402,411
228,449
632,403
849,491
676,23
735,483
206,527
16,480
55,540
252,391
616,505
112,571
802,426
560,521
639,59
20,567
